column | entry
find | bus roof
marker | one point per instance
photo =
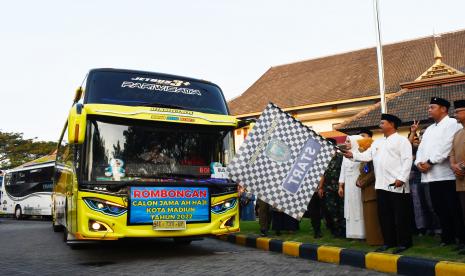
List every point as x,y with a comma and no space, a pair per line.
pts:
148,72
112,86
39,161
31,167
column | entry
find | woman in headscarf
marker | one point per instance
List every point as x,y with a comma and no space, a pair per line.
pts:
366,182
353,209
247,207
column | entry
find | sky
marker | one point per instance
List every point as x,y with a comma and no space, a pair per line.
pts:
47,47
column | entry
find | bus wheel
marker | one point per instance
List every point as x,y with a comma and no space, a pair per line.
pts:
65,234
18,212
56,228
181,241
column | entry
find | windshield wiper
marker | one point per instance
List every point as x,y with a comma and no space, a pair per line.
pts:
182,175
165,106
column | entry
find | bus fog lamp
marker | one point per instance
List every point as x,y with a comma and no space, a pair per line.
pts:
96,226
228,223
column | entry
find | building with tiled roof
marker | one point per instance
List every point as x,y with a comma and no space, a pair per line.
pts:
411,102
326,92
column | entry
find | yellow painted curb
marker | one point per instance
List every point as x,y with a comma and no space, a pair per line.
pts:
449,269
381,262
241,239
263,243
329,254
291,248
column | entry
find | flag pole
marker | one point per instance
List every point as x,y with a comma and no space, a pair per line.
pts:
379,54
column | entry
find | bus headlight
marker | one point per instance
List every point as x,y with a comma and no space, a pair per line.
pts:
105,207
224,206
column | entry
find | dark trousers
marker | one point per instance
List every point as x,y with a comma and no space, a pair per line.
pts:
283,222
314,209
264,215
462,204
431,218
447,206
394,218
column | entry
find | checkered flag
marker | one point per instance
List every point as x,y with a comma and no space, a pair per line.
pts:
281,161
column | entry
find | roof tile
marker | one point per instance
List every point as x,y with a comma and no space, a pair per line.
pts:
348,75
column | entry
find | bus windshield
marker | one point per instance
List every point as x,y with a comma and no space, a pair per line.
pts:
25,182
148,89
143,151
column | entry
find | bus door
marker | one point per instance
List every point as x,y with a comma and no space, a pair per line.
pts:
64,173
73,189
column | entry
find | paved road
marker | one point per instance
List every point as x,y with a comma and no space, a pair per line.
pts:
30,247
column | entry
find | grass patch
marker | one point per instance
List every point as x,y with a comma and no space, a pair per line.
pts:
425,246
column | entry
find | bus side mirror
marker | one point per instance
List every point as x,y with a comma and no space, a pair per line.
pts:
77,120
77,94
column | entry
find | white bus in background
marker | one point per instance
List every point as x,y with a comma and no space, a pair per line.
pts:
1,192
27,191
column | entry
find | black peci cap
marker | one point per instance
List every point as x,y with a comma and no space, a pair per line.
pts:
459,104
366,131
440,101
391,118
332,141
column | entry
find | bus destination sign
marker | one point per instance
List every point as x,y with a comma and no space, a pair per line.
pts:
152,204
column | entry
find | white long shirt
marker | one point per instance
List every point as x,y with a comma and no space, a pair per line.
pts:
392,160
435,146
353,208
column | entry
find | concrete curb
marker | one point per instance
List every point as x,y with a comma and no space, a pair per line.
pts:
382,262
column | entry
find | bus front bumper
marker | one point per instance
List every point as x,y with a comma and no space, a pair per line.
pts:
113,228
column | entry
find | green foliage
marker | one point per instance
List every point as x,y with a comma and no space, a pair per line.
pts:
16,150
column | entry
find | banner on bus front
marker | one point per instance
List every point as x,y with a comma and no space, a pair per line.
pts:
150,204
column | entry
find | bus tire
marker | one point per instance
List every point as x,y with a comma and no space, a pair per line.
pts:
65,228
181,241
65,235
75,246
18,212
57,228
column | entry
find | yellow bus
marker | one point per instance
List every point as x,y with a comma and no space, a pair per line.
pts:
143,155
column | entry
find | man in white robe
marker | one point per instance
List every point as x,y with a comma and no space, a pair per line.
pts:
432,160
392,161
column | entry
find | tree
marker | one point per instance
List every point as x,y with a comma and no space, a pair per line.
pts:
15,150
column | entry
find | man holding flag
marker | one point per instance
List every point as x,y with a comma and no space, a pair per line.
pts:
392,160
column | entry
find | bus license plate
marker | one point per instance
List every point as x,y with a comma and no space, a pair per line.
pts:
169,225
